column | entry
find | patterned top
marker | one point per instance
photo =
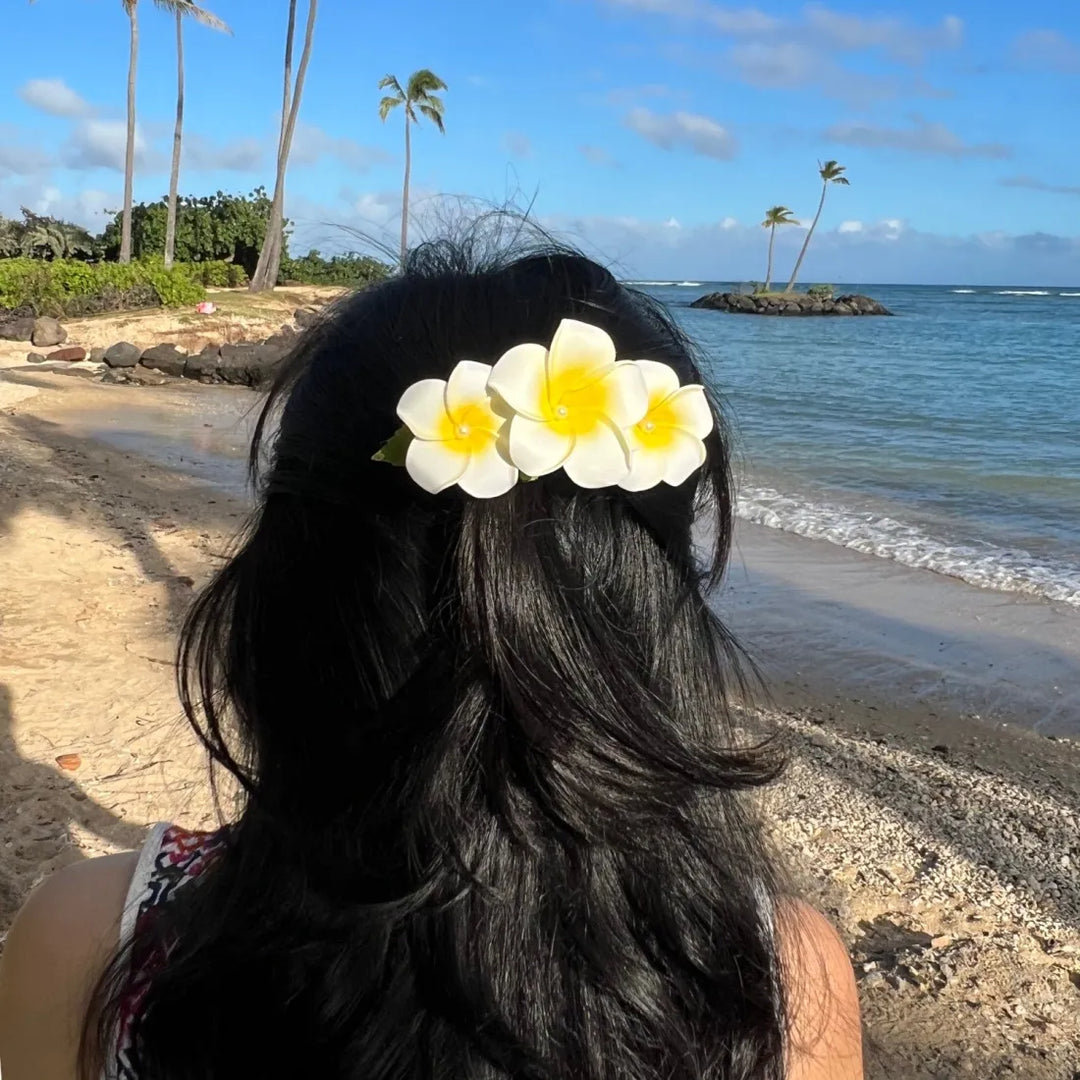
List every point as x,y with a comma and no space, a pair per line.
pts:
169,857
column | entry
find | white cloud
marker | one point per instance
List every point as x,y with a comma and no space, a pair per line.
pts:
17,158
101,144
1034,184
517,145
697,133
672,223
729,223
850,227
54,97
1047,49
311,145
924,137
202,154
597,155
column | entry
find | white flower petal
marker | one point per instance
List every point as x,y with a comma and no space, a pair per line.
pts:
488,474
519,379
685,454
627,398
466,386
433,466
423,409
646,470
599,459
580,347
537,448
690,409
661,380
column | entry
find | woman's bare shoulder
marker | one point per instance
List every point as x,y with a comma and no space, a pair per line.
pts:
824,1026
56,949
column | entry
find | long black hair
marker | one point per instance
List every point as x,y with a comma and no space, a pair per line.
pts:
494,820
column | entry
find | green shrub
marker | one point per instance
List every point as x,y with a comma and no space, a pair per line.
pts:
67,287
218,274
820,292
350,270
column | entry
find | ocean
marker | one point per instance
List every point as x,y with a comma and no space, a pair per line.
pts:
947,438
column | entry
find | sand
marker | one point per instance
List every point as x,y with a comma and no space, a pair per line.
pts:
944,845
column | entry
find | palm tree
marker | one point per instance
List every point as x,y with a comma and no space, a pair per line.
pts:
775,215
266,273
181,8
419,93
830,173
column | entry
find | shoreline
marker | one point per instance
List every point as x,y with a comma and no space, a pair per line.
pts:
946,848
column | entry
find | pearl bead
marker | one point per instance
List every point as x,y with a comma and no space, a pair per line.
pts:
562,410
463,431
648,425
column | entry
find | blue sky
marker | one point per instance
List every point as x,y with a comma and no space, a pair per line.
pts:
652,132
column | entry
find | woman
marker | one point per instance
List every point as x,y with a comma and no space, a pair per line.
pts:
496,818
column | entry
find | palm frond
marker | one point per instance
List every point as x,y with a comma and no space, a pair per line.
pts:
424,82
388,104
832,171
389,82
435,116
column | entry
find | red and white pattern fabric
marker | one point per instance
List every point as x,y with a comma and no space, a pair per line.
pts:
169,858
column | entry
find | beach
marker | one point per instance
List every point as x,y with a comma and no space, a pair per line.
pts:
931,803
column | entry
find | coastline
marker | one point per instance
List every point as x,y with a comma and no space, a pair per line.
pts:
944,846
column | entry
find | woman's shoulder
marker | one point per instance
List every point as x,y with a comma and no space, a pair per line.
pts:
54,952
65,934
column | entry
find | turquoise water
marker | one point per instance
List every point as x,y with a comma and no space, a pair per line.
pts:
946,438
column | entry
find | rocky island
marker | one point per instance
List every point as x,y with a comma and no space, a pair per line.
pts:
790,304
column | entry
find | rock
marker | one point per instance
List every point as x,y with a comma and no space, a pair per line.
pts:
69,762
306,317
942,941
35,358
203,366
237,364
144,377
48,332
122,355
72,355
21,329
97,356
167,359
790,304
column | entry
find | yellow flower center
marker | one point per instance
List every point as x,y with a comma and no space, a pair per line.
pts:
577,400
470,430
657,431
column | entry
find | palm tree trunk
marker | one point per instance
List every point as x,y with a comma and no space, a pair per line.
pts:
178,137
266,272
129,157
806,243
768,271
405,191
286,99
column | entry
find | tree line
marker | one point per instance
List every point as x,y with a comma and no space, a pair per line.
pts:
418,97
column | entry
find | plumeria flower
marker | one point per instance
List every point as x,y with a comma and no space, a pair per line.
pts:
666,444
570,404
456,434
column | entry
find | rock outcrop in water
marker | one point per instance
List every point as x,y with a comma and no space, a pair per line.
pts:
790,304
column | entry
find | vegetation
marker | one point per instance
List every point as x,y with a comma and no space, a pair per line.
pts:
70,287
219,227
182,9
830,173
40,237
820,292
420,93
273,246
775,215
349,270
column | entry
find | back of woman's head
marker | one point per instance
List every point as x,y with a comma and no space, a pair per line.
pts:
492,826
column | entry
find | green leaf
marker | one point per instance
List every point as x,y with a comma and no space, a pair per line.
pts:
393,450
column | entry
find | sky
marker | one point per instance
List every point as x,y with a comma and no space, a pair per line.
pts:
652,133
